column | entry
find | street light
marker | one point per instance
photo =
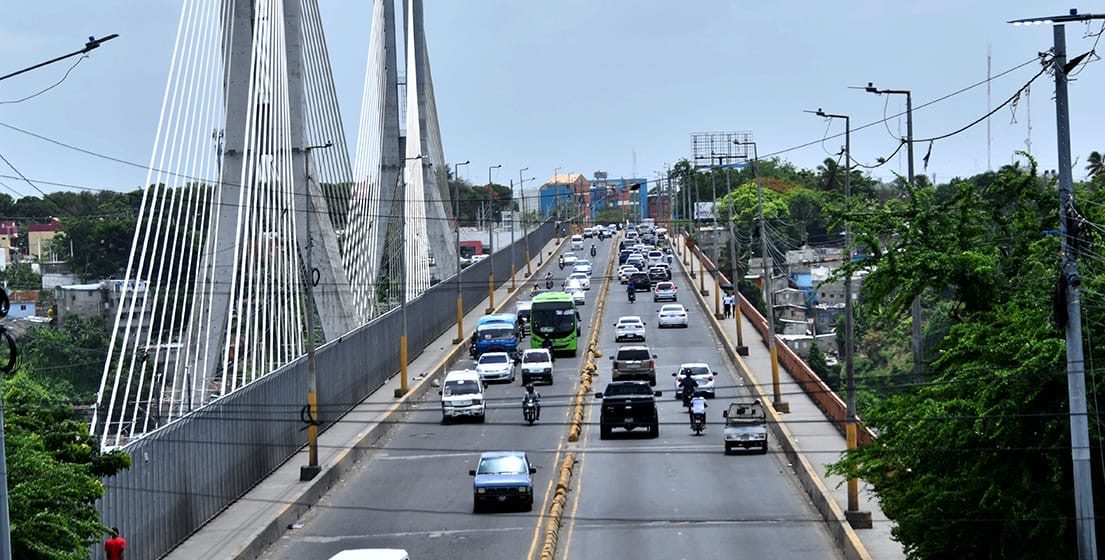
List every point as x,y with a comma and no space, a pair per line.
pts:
491,240
403,385
456,230
311,469
1076,368
525,226
856,518
915,309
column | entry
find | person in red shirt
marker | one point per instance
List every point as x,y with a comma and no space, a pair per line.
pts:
115,545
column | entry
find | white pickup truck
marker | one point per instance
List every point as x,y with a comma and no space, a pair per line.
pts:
745,426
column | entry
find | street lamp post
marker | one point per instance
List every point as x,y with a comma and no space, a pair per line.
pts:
525,226
456,230
403,379
556,201
311,469
513,261
915,309
1076,367
856,518
491,240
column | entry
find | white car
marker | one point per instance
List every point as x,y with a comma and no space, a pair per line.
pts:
462,395
583,279
583,266
537,364
624,271
478,258
570,259
655,258
672,315
495,366
577,243
701,373
629,327
578,295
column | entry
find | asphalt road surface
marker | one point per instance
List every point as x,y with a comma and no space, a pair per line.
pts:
415,492
678,496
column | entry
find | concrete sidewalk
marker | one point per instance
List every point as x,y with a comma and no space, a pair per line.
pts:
817,439
246,528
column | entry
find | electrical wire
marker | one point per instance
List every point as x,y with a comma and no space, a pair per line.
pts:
56,84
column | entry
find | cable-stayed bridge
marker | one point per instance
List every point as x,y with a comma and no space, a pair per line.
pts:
250,178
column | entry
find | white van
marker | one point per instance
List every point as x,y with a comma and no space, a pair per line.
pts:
372,554
462,395
577,243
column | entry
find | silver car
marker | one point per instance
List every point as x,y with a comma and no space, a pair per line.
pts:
665,291
495,366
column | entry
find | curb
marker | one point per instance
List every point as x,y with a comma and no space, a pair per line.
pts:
314,491
843,535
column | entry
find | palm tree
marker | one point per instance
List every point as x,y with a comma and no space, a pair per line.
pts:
1095,165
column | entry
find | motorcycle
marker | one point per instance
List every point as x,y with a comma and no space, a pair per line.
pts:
688,394
698,423
529,410
593,251
632,297
561,263
548,283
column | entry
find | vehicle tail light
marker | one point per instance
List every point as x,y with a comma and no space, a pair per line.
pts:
709,378
650,364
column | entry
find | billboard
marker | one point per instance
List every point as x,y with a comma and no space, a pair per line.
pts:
704,210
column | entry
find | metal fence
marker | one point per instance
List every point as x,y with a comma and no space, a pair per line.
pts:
187,472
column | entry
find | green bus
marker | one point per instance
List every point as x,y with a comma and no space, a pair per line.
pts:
553,316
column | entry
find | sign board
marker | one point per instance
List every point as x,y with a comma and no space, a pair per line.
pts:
703,210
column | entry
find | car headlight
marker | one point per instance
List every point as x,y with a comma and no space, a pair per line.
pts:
548,370
477,401
481,490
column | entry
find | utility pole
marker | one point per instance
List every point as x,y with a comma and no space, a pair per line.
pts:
1076,366
742,349
513,265
311,469
856,518
525,226
915,309
778,403
456,214
491,240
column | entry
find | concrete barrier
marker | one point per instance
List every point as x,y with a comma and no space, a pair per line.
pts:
843,535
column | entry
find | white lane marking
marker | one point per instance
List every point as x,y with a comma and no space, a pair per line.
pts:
429,534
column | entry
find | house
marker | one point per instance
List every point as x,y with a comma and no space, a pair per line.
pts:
80,300
39,237
23,303
801,343
9,232
571,191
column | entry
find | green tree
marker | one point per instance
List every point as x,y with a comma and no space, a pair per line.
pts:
20,276
54,471
1095,165
829,374
68,359
100,246
973,460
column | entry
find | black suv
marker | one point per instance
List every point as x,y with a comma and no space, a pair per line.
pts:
628,405
640,281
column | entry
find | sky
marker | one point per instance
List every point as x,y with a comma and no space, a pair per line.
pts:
583,85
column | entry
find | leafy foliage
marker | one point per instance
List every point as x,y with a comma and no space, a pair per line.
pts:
54,471
973,460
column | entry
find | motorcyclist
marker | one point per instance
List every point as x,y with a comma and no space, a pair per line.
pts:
534,397
698,407
631,290
536,288
688,386
561,262
594,251
548,280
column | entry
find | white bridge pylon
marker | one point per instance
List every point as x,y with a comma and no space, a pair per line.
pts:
242,187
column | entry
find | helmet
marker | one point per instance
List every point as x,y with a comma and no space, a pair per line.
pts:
529,387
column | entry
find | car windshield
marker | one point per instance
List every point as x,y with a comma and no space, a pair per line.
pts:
557,321
618,389
632,354
502,465
695,370
534,357
629,321
493,359
664,286
495,333
671,308
461,387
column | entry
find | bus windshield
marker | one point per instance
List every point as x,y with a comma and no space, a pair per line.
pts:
554,318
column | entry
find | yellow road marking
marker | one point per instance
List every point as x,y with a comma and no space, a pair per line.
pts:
544,503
